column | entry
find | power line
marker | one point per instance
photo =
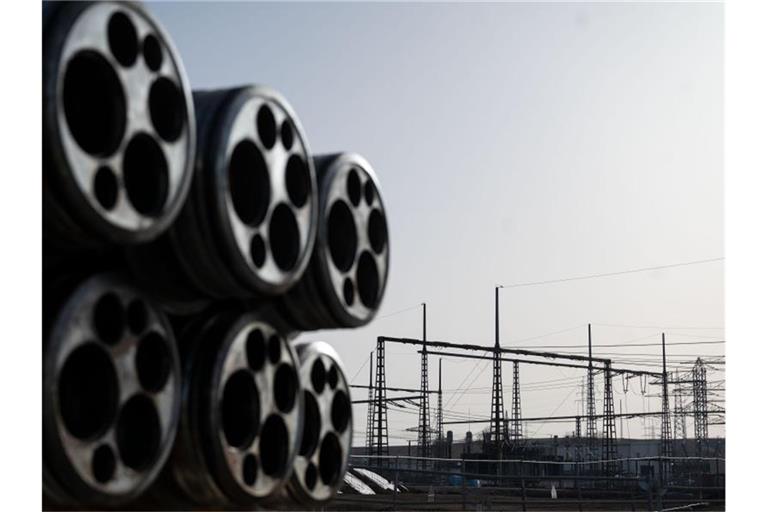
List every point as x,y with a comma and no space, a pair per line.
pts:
666,327
358,371
473,381
548,334
615,345
608,274
379,317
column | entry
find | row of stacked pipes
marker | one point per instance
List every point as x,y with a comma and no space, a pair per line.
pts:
189,237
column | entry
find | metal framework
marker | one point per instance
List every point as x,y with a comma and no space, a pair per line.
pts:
591,427
369,419
424,441
666,434
578,440
609,424
439,414
680,429
505,429
380,428
566,417
497,397
497,406
700,423
516,433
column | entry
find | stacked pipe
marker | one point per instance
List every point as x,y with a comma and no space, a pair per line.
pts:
189,238
348,272
248,228
318,470
111,392
118,130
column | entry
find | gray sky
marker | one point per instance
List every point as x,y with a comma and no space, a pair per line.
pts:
514,143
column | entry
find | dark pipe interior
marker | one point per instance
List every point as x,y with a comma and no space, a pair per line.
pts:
342,235
94,103
285,387
240,409
368,280
145,175
284,237
138,432
249,185
88,391
273,446
153,362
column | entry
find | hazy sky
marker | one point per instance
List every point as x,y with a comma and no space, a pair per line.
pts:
514,143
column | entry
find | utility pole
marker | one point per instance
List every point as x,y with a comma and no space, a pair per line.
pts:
424,427
497,399
591,427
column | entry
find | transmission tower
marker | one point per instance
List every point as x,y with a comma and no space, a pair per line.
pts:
700,423
609,424
380,429
591,427
577,439
424,430
517,426
369,419
497,399
439,415
679,410
666,434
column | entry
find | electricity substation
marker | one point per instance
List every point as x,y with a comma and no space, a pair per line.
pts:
590,468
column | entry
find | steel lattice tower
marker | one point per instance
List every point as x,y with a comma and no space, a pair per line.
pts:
497,405
517,427
506,424
380,429
609,424
439,414
577,439
666,433
679,410
700,423
369,424
497,398
424,428
591,426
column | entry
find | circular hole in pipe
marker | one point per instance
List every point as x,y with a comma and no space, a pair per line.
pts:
88,391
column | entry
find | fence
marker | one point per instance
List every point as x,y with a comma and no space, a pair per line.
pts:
639,483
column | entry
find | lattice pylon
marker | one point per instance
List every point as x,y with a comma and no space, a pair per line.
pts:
497,406
577,439
424,440
517,426
591,423
666,431
369,419
700,420
380,427
439,414
609,424
680,427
